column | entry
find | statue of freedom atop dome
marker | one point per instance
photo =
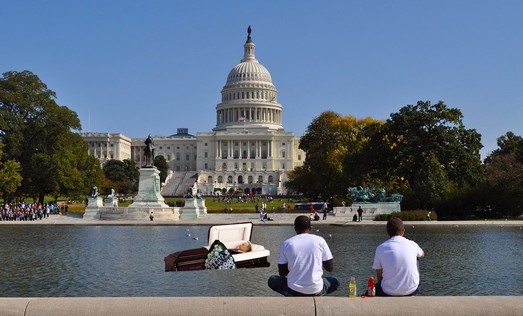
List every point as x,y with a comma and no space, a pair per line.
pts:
249,30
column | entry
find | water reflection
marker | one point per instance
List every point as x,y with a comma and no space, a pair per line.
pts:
128,261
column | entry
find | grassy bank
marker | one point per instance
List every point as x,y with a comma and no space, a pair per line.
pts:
213,205
219,206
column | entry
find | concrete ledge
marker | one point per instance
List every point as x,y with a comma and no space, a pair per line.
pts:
216,306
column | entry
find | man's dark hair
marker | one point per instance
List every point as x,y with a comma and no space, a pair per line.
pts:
395,227
302,223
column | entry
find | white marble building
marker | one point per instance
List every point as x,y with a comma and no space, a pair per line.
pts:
247,150
107,146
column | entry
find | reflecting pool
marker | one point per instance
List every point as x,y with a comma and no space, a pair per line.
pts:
128,260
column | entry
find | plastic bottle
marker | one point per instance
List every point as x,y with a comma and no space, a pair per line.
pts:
352,287
371,288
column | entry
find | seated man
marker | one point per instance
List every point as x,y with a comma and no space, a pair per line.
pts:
301,262
396,261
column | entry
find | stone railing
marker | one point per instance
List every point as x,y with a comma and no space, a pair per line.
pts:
370,210
303,306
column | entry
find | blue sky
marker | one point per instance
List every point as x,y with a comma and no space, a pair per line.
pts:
150,67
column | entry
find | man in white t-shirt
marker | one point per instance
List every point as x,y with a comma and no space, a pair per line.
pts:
396,263
301,262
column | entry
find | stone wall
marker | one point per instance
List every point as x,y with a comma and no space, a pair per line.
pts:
230,306
370,210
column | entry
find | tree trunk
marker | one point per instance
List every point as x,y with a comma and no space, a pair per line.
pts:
41,197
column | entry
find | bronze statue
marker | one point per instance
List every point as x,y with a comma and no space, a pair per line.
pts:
149,151
249,30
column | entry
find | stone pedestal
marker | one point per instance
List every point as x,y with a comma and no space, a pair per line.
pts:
149,190
190,210
370,210
92,211
201,206
111,202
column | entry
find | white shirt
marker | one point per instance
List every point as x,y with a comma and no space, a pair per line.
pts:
304,255
398,259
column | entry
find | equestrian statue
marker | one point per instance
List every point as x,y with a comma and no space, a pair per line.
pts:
149,152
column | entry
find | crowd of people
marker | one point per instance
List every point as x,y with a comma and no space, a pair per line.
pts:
28,211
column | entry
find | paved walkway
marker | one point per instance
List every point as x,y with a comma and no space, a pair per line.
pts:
216,219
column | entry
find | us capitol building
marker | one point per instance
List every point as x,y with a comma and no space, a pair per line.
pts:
248,150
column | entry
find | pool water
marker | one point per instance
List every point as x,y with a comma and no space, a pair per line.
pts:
58,261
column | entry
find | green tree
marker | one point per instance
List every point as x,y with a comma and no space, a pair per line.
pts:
39,134
504,177
10,178
329,139
133,173
123,176
507,144
428,146
115,170
368,166
161,164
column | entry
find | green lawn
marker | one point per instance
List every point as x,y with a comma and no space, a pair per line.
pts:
213,205
218,206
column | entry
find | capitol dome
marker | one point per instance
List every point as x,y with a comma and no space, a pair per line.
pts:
249,98
248,71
